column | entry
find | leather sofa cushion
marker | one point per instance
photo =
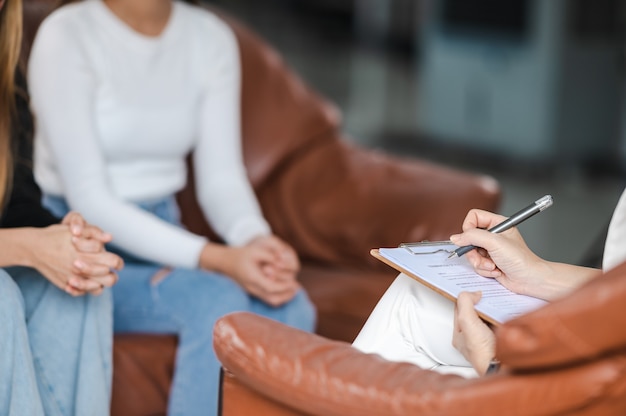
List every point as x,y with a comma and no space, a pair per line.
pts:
143,370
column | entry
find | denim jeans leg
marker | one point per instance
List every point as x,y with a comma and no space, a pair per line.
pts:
71,345
19,394
185,303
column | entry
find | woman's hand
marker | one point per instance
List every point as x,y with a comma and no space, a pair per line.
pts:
506,258
93,276
472,337
86,237
503,256
266,267
54,252
285,263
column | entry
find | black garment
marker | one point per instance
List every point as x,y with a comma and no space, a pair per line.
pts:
24,207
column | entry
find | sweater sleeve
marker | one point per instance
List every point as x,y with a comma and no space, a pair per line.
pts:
24,207
63,87
224,190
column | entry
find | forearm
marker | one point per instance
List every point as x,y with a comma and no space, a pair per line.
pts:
558,279
225,193
16,247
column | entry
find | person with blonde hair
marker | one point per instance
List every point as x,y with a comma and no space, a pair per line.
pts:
55,306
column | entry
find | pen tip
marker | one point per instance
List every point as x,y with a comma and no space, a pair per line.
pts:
452,255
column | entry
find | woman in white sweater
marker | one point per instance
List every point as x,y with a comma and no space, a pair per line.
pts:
123,91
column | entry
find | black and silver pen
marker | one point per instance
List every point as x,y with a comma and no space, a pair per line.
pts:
515,219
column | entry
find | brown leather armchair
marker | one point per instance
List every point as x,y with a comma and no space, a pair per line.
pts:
331,199
567,358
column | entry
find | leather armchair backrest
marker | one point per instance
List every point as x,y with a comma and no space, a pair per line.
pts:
281,116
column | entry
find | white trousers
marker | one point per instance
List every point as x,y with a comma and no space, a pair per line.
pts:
414,324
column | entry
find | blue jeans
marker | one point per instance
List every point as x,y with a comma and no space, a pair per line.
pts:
187,303
55,349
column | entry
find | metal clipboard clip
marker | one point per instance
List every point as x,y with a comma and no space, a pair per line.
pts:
410,247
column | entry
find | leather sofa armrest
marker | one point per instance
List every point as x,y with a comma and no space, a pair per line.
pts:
582,326
306,371
316,376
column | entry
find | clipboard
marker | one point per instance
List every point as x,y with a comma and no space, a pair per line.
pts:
427,263
435,245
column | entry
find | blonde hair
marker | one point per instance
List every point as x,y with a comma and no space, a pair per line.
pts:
10,43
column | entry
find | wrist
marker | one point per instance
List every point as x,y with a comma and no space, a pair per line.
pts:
557,279
214,257
20,251
481,356
481,361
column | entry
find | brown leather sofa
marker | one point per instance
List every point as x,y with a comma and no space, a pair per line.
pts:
567,358
331,199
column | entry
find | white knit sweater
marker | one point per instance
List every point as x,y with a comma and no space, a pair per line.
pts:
117,112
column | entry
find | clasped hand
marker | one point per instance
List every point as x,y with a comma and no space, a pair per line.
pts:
266,267
72,256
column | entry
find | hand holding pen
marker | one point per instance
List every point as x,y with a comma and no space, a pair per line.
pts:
515,219
505,257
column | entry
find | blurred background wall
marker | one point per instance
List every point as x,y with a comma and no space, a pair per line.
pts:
530,91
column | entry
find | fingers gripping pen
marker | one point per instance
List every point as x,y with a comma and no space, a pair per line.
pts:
515,219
